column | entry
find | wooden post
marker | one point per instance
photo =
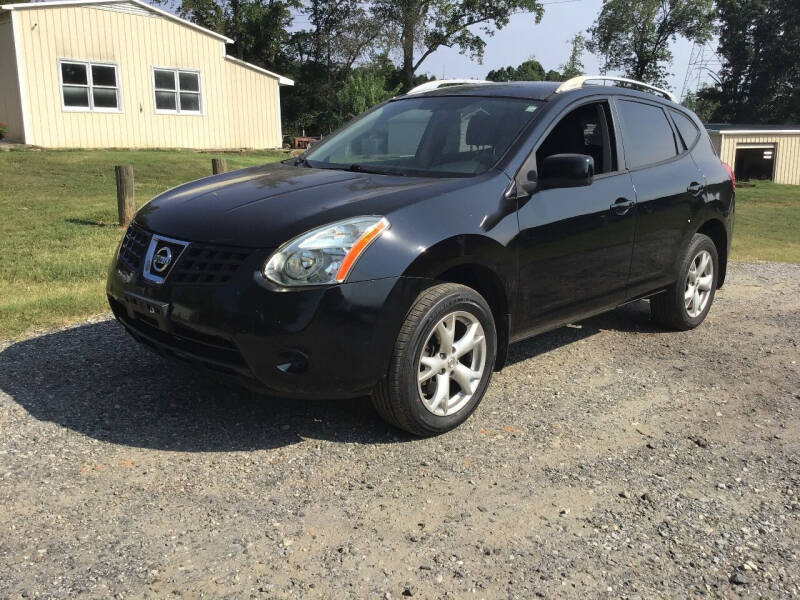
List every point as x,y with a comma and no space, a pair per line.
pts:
219,165
125,197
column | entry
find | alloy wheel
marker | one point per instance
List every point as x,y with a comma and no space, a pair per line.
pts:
451,363
699,281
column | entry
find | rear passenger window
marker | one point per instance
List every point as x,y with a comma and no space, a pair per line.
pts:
686,128
648,136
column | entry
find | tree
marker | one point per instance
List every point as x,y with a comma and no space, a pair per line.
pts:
363,89
634,36
574,65
760,75
259,28
421,27
341,34
530,70
701,104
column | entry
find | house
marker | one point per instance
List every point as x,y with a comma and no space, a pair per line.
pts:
122,73
759,151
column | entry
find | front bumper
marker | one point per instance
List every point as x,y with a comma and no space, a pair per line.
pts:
325,342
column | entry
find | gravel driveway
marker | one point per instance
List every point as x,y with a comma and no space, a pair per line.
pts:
610,459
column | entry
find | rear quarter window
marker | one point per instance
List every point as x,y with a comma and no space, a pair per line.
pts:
648,137
686,128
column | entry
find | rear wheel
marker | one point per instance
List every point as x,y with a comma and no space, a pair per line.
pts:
686,303
442,362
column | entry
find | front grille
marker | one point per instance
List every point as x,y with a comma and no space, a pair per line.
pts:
133,248
201,264
204,264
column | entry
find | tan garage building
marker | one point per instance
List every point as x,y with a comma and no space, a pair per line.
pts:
759,151
121,73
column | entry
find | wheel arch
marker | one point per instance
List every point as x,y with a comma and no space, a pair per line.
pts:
481,263
487,283
715,229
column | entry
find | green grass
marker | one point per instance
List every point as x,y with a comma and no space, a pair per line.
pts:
58,225
58,231
767,222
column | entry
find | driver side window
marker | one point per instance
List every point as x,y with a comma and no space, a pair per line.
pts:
586,130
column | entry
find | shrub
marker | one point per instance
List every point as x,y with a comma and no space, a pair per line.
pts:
3,129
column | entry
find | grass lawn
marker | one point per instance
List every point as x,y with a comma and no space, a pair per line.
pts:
58,227
767,223
58,232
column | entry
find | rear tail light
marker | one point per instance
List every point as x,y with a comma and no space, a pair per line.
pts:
730,173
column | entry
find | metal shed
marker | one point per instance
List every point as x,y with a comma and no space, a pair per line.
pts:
759,151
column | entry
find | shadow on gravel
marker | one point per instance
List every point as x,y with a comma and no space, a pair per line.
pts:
97,381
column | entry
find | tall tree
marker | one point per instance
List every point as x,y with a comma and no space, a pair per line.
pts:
423,26
341,34
574,65
259,28
760,75
634,36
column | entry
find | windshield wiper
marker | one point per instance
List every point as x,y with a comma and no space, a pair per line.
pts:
357,168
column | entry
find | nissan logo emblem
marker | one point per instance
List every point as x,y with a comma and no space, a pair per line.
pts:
161,259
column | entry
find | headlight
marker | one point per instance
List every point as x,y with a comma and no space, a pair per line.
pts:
324,255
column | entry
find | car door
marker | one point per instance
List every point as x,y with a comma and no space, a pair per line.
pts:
575,243
668,184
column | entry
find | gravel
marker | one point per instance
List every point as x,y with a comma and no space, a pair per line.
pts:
609,459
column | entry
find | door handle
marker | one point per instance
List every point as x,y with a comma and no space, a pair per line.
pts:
621,206
696,188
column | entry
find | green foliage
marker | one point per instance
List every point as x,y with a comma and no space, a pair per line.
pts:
362,90
259,28
530,70
634,36
420,27
703,106
341,34
760,77
574,65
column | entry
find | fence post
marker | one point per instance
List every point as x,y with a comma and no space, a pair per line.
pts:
219,165
125,196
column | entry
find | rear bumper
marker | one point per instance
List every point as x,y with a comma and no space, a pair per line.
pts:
327,342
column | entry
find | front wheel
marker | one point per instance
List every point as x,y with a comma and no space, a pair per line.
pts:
685,304
442,362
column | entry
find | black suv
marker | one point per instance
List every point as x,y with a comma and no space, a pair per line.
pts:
402,255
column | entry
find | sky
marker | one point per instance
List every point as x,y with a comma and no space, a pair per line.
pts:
547,42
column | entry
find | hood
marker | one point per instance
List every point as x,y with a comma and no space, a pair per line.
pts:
266,206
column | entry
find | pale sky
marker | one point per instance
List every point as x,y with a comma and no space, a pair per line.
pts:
548,42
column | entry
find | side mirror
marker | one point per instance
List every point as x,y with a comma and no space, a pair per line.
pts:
566,170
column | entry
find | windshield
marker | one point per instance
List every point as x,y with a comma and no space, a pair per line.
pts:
442,136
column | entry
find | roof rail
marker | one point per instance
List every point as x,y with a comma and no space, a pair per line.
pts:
438,83
577,83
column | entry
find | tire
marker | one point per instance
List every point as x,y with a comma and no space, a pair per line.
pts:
671,307
435,405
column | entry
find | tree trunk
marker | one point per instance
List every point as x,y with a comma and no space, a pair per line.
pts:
408,56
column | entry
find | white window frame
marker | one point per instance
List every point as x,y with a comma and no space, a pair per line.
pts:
176,71
88,64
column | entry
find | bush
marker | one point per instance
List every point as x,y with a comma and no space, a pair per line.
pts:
3,129
362,90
